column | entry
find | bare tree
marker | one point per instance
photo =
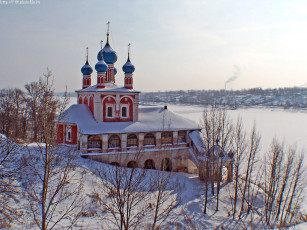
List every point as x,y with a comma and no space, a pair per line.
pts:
19,108
6,111
239,148
123,195
34,92
10,165
217,130
162,201
253,147
284,183
52,185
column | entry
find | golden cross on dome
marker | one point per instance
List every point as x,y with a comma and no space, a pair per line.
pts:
129,45
108,32
87,54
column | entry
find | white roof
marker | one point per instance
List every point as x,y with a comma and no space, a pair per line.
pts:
198,141
110,87
151,118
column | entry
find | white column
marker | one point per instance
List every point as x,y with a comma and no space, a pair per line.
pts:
141,140
105,139
175,137
124,141
158,139
97,107
83,143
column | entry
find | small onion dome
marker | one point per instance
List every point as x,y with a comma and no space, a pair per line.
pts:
109,55
101,66
86,69
128,67
115,71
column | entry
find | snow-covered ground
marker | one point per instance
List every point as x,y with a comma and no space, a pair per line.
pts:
189,189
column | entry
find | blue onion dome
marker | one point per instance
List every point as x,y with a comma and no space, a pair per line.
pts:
115,71
101,66
86,69
109,55
128,67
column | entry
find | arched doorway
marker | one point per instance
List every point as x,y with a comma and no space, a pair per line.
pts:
132,164
149,164
166,164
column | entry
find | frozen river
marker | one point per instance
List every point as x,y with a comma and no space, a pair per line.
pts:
287,125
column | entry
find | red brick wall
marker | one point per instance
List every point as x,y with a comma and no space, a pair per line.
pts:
60,134
74,135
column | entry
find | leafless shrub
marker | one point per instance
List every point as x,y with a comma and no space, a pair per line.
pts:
10,165
284,184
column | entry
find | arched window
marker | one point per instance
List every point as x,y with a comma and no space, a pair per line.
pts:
114,141
132,140
94,141
85,101
149,164
167,138
182,137
149,139
132,164
166,164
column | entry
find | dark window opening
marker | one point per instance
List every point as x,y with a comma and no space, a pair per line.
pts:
68,136
166,164
109,112
132,164
167,138
124,111
149,139
149,164
132,140
114,142
182,137
94,142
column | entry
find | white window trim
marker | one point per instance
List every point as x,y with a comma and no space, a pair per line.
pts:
68,130
127,110
113,110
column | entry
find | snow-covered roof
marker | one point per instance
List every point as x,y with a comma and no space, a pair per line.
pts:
198,140
151,118
218,151
110,87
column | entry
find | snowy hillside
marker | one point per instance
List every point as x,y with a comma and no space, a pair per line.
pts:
184,189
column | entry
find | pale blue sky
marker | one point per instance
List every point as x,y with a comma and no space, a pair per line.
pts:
176,44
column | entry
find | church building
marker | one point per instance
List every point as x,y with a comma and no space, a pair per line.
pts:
107,124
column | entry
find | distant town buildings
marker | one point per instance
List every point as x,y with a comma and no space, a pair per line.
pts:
283,97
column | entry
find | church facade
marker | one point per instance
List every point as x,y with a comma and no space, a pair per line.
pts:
108,124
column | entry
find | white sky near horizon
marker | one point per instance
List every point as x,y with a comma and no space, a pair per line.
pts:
176,44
